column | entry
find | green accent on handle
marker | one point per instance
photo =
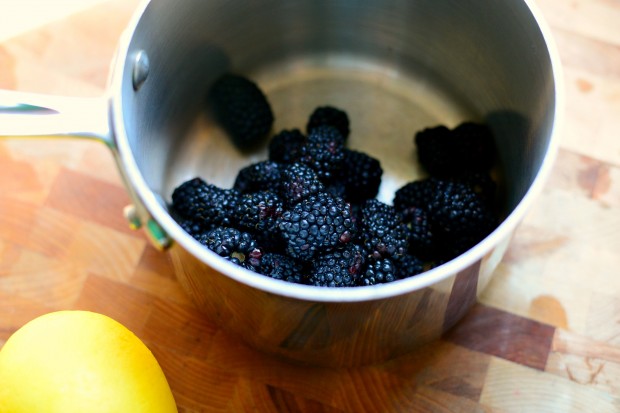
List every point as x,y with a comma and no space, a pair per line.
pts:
157,235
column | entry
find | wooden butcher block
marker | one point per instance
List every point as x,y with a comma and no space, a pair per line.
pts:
544,338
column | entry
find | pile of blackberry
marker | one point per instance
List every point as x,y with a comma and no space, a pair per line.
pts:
308,214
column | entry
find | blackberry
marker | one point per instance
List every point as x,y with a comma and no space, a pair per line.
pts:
360,175
331,116
383,232
420,234
339,268
356,215
323,151
482,183
475,141
447,153
337,188
435,150
205,204
450,246
416,194
282,267
258,212
407,266
298,182
285,147
264,175
458,213
457,210
234,245
379,271
190,226
419,194
241,108
316,224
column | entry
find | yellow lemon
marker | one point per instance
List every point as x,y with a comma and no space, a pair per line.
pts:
80,361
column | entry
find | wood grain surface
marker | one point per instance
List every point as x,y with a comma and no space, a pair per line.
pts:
544,338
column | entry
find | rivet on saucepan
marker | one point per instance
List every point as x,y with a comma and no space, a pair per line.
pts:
140,69
131,215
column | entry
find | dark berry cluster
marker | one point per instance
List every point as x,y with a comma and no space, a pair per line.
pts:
455,207
467,148
241,108
329,115
308,214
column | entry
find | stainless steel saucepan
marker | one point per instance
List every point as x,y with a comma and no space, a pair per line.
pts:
396,66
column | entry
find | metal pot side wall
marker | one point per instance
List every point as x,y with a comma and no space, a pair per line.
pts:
332,333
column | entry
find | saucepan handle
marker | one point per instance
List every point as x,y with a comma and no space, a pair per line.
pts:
26,115
35,115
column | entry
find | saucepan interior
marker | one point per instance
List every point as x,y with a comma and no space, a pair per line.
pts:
395,66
